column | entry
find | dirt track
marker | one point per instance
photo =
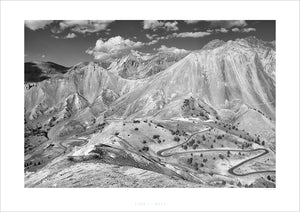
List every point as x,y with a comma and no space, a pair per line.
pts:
231,170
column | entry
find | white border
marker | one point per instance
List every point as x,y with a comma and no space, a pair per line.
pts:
14,197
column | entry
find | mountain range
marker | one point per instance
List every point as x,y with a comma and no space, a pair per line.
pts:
140,85
221,76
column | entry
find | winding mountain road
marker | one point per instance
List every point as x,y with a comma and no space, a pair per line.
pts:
162,153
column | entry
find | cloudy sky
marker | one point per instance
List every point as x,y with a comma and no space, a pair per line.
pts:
72,41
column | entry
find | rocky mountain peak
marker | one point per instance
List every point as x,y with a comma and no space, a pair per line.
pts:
213,44
254,42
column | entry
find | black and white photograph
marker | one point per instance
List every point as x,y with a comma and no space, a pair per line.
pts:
150,103
140,105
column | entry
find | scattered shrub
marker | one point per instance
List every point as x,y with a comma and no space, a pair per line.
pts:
160,125
196,166
145,148
155,136
176,138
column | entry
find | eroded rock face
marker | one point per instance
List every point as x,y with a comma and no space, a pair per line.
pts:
234,70
139,66
88,85
222,71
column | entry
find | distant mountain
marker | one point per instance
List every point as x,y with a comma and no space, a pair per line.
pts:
264,50
139,65
39,71
240,69
213,44
140,85
90,85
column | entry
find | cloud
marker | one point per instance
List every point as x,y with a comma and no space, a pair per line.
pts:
235,29
184,35
248,30
191,21
37,24
243,30
77,26
152,42
191,34
171,26
113,48
70,35
228,24
150,37
223,30
154,25
56,36
188,34
174,50
56,30
84,26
